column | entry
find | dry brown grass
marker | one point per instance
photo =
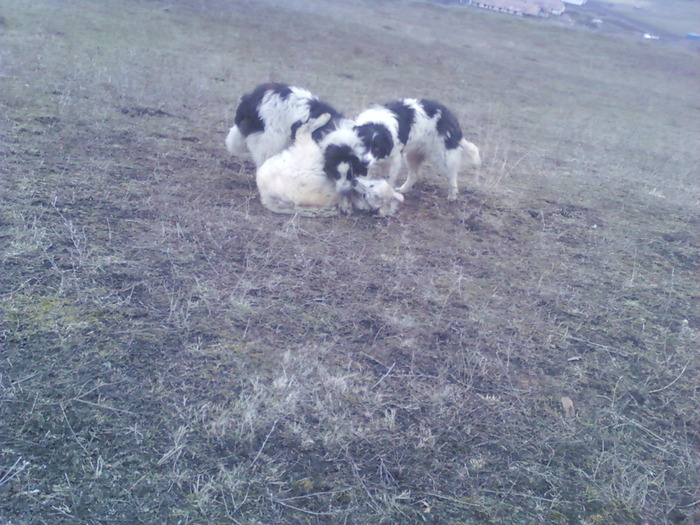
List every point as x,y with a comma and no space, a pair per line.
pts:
173,353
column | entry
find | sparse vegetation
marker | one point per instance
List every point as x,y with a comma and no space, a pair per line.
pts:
171,352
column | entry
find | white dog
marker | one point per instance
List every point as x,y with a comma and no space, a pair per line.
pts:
377,194
295,181
268,118
417,130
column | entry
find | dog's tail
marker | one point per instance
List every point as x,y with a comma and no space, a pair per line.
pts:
470,154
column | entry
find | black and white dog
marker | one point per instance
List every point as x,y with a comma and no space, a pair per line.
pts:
417,130
294,181
268,118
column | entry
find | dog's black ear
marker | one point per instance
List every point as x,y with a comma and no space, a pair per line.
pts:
376,138
382,144
332,156
335,154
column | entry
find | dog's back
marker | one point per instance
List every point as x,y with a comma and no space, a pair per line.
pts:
267,120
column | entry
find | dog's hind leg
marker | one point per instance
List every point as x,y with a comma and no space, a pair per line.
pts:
394,170
449,169
453,188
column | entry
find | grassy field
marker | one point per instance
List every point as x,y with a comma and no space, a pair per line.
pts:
677,17
172,352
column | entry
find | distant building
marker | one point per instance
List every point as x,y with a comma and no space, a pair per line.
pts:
555,7
523,7
513,7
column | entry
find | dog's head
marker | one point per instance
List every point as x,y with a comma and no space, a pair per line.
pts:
376,140
343,166
378,194
342,156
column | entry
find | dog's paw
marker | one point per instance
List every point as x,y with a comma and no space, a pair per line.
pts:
345,206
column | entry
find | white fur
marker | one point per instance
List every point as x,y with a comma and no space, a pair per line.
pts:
294,182
279,115
448,163
236,143
378,195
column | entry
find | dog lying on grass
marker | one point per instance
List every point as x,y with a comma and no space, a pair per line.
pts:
295,182
267,120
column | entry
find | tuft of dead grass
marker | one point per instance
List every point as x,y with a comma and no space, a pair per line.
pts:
172,352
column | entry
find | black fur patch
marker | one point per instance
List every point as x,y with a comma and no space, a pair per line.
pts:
335,155
318,108
295,127
447,125
376,139
405,116
431,107
247,117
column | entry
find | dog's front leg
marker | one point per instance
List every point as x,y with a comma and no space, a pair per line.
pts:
345,204
395,163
